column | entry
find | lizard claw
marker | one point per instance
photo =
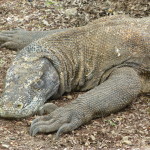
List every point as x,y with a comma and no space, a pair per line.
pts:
61,120
46,109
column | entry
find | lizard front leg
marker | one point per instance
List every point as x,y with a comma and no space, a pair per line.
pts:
17,39
118,91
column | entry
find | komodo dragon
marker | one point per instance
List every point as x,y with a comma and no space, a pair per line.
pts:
108,58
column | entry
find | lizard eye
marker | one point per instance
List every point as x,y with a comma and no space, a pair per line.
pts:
19,105
38,84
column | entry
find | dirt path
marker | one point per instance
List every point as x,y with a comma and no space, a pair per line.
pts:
128,129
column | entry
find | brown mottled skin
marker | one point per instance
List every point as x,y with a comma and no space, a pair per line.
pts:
109,59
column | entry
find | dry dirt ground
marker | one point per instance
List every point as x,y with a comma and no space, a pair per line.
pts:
128,129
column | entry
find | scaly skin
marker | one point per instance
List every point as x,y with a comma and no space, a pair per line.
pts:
34,88
108,58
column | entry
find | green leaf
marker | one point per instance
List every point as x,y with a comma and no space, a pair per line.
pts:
112,123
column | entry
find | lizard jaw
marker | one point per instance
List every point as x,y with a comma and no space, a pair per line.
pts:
29,110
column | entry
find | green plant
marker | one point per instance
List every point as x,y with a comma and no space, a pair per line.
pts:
50,2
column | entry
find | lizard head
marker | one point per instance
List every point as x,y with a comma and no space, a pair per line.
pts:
28,85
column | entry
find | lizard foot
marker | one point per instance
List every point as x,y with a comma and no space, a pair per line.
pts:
15,39
61,120
46,109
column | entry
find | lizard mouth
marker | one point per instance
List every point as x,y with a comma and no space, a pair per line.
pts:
27,111
33,107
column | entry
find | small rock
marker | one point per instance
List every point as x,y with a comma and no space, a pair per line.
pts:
126,140
87,143
69,96
12,138
45,22
50,136
1,129
71,11
93,138
5,145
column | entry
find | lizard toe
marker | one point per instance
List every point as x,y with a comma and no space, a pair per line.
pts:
46,109
61,120
9,45
40,119
4,38
67,127
44,127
